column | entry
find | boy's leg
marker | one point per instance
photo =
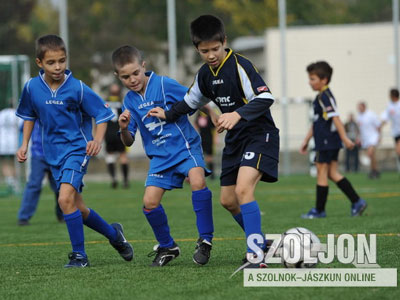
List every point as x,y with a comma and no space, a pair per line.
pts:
248,177
123,158
32,191
110,161
53,185
230,202
358,204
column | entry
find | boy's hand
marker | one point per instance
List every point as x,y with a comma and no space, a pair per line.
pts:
227,121
156,112
303,148
124,119
93,148
21,154
349,144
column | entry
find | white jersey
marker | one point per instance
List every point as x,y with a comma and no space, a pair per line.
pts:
9,131
392,113
368,124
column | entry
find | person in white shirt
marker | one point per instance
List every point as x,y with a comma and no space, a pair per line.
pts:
392,113
369,125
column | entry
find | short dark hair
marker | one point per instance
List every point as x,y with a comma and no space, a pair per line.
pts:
125,55
322,69
207,28
49,42
394,93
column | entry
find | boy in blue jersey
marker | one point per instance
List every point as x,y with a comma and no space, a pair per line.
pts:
174,150
65,107
329,133
252,141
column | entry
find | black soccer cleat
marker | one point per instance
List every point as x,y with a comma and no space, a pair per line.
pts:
202,251
121,244
164,255
77,260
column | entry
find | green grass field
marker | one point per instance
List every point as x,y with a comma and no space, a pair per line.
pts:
32,257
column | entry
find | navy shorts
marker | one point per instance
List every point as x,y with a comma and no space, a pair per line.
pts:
397,138
326,156
265,164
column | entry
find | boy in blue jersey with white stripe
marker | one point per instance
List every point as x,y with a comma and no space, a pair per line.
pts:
174,150
65,107
329,133
251,150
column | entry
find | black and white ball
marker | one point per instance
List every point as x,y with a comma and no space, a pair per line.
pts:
298,233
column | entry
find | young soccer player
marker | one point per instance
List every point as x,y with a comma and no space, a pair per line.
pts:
369,125
392,113
65,107
174,150
252,141
328,132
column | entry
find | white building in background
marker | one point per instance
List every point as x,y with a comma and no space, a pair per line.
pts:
362,57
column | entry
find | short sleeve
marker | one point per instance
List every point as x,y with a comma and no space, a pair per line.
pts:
329,105
95,106
25,107
194,97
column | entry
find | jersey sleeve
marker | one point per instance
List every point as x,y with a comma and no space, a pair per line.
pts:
173,91
194,98
255,90
25,108
94,106
385,115
328,105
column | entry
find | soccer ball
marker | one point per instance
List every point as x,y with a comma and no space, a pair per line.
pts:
299,232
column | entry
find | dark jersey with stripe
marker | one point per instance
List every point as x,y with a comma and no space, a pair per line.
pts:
237,86
325,134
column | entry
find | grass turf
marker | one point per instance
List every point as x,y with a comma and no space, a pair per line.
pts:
32,257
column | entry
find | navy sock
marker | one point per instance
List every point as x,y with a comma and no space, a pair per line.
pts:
345,186
202,206
75,229
159,223
252,220
97,223
322,197
239,219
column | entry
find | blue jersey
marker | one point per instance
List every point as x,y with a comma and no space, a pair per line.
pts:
325,134
65,115
166,144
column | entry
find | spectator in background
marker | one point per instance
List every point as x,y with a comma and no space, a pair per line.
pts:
369,125
114,147
392,113
9,124
205,127
353,133
39,168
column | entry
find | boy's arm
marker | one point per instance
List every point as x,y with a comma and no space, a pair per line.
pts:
93,147
123,121
26,135
342,133
304,145
177,109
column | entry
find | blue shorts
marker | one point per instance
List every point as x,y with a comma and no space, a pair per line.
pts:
264,163
71,171
326,156
173,177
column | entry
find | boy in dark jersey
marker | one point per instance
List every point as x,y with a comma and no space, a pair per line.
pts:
252,141
65,107
329,133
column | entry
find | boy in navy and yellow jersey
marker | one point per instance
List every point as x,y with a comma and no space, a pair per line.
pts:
174,150
252,141
329,133
65,107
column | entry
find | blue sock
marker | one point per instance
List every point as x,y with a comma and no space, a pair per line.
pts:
252,220
75,229
239,219
202,206
97,223
159,223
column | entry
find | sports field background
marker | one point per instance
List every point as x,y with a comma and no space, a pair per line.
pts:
32,257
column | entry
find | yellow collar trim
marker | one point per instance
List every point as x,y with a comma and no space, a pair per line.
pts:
223,62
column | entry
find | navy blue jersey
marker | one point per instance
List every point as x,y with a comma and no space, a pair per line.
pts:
325,134
237,86
64,114
166,144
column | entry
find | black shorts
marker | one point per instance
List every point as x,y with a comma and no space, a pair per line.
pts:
397,138
326,156
265,164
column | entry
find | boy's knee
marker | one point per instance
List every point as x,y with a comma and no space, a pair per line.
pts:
150,203
231,206
197,184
